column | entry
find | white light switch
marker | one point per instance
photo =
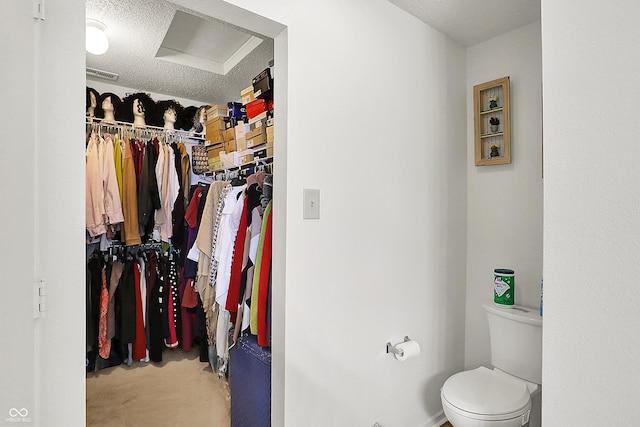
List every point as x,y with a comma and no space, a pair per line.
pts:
311,203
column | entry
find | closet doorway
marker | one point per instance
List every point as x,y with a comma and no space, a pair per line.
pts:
167,50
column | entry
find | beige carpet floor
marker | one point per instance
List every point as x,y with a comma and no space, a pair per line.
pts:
180,391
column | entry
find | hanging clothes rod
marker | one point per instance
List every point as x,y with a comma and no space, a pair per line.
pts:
130,127
146,245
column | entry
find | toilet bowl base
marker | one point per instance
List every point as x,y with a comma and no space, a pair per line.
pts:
459,418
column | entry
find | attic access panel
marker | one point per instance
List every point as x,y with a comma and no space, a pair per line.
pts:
209,45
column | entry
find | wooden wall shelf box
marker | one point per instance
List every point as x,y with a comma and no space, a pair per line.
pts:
492,143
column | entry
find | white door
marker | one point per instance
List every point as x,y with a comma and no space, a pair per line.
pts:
41,212
17,218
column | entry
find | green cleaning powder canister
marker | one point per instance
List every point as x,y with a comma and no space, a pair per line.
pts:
503,287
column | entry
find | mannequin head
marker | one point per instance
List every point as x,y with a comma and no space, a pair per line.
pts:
169,116
108,106
168,113
137,109
92,101
195,118
202,114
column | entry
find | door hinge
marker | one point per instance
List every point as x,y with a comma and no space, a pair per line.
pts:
39,293
38,9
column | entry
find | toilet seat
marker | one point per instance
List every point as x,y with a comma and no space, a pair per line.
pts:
485,394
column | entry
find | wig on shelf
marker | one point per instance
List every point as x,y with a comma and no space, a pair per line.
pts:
141,110
109,104
145,108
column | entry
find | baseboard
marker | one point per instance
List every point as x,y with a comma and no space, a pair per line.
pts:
436,421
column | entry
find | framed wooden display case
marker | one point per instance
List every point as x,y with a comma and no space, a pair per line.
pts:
492,124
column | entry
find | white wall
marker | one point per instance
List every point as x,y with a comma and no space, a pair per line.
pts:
384,259
370,271
591,64
505,201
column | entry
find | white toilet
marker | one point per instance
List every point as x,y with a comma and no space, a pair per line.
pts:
500,397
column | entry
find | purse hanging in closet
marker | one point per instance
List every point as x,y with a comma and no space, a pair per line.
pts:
190,296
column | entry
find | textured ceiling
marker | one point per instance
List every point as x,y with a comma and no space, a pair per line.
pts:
470,22
136,31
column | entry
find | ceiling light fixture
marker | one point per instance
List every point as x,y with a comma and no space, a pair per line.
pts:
96,40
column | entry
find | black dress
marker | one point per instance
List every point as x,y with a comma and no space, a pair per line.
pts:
127,294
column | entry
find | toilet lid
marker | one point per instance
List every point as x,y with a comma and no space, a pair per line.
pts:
486,392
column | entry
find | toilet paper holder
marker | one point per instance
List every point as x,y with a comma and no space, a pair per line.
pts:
393,350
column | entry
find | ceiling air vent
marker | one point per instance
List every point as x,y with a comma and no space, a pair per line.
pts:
102,74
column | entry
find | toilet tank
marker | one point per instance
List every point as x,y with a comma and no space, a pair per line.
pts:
516,341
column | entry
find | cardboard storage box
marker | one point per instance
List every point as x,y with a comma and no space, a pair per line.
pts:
247,95
245,156
260,153
256,107
256,124
231,123
215,164
228,135
270,121
241,129
216,122
236,109
214,128
216,110
213,151
259,117
269,144
214,137
259,131
270,135
263,85
230,146
258,139
229,159
241,144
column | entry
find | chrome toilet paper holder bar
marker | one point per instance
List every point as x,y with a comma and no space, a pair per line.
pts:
393,350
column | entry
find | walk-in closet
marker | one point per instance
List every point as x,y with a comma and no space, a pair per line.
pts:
179,154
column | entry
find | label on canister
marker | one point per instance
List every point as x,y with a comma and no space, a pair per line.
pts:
503,287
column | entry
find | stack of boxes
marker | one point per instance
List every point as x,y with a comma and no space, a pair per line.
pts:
260,115
214,140
242,131
269,144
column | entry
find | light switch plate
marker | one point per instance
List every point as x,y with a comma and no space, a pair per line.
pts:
311,203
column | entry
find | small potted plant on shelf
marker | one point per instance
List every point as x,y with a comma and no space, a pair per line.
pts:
494,122
493,102
495,152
